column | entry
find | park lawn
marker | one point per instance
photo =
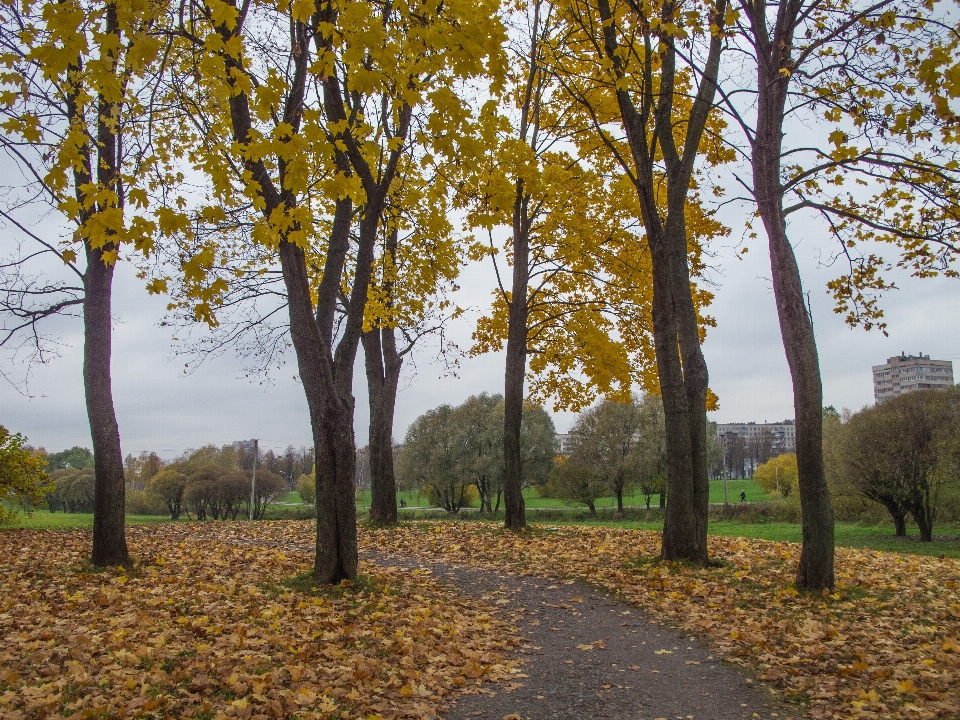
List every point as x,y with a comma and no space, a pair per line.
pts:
533,500
946,538
46,520
413,498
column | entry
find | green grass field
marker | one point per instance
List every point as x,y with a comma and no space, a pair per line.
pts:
854,535
46,520
533,500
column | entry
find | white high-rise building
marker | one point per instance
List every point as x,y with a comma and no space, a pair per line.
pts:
905,373
782,435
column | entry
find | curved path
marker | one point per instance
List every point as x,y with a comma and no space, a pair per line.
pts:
588,655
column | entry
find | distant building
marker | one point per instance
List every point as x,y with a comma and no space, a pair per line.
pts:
564,444
906,373
782,434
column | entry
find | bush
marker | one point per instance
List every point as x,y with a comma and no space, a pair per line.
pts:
73,489
142,503
307,487
23,482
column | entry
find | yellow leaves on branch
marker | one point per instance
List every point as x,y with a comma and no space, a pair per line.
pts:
203,625
886,642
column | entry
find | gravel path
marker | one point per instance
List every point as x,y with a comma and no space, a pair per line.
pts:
590,656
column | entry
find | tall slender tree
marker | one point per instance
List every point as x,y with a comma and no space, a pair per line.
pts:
77,77
864,68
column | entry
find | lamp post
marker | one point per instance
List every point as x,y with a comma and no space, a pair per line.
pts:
253,481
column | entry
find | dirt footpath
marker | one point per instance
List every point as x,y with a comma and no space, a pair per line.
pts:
587,655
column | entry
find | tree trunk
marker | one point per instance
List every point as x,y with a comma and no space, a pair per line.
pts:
681,368
680,539
924,522
383,365
816,569
109,539
331,419
899,524
620,499
516,367
593,508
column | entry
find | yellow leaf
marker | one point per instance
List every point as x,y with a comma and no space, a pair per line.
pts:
906,687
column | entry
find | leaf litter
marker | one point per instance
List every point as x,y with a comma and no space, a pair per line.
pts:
204,626
199,631
884,644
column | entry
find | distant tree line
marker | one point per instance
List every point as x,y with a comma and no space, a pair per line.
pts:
455,454
614,448
209,483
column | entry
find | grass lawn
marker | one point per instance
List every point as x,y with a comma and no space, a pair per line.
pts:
46,520
533,500
946,537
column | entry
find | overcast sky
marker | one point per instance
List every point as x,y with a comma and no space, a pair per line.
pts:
161,409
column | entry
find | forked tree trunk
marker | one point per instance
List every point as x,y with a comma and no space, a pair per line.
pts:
331,419
383,365
681,367
109,539
816,569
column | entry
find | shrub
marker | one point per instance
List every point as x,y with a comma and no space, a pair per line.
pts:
307,487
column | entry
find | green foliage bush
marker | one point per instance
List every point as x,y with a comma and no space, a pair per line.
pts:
142,503
307,487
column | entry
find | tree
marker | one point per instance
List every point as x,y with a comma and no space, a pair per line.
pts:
779,474
75,457
900,453
77,79
877,73
625,66
648,457
138,470
169,485
430,459
538,445
23,481
74,489
269,487
416,267
574,318
480,424
606,438
574,480
310,137
736,456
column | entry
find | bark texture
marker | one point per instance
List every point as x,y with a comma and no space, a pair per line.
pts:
816,569
383,364
516,367
109,538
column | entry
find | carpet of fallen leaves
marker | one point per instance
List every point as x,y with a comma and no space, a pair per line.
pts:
885,644
202,626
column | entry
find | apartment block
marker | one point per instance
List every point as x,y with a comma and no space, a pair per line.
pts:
906,373
782,434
